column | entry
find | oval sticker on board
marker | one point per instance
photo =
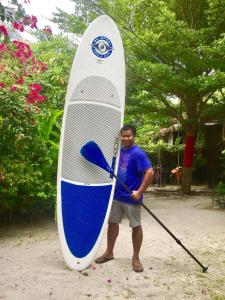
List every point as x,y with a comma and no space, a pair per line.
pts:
102,47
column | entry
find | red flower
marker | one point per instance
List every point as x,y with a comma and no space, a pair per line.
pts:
13,88
30,101
27,20
23,51
3,47
35,87
34,94
31,98
19,26
20,80
33,22
41,98
16,25
48,30
3,30
43,66
30,21
2,85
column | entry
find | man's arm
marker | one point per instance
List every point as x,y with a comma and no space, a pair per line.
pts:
148,177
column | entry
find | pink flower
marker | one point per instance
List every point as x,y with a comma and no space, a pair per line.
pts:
3,30
19,26
20,81
13,88
2,85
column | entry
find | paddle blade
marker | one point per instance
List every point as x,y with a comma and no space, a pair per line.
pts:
91,152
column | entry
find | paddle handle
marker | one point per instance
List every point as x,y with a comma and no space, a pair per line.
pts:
204,268
123,184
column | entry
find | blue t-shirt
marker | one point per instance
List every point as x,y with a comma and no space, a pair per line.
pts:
132,165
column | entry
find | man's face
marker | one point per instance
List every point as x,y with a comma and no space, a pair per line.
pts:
127,138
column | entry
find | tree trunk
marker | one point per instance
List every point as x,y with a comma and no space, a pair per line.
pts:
187,163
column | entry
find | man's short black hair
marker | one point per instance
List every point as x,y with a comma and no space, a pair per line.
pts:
128,127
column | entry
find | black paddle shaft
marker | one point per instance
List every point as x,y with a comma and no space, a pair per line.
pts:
204,269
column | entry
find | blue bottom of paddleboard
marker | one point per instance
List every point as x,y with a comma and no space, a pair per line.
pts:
83,213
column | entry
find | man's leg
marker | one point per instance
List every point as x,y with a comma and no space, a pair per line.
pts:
112,234
137,238
134,215
116,215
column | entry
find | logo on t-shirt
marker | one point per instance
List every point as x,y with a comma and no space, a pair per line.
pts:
123,164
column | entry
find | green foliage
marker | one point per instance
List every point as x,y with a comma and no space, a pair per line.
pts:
174,50
29,165
24,186
29,135
57,52
220,188
26,182
174,55
175,69
49,128
68,22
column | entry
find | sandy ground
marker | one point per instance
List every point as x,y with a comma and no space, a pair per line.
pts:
31,264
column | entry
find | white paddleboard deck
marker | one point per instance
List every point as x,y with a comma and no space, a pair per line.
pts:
94,110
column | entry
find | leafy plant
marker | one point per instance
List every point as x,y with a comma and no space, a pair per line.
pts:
32,96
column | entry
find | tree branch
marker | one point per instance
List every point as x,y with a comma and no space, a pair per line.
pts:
208,97
221,91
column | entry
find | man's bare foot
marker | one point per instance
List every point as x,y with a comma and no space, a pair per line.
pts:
104,258
137,266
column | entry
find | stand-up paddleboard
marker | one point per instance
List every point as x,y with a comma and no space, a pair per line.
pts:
94,110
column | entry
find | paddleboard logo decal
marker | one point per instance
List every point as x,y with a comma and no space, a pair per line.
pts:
102,47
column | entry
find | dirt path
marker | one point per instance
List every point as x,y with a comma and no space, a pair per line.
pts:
31,265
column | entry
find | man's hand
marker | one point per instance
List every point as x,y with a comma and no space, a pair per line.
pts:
136,195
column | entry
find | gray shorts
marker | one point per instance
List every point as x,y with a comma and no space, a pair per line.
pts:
119,209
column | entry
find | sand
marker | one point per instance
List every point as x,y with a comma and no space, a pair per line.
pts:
32,267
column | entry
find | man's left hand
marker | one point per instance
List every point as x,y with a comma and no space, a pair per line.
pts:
136,195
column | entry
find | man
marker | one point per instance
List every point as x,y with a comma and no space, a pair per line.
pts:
136,172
